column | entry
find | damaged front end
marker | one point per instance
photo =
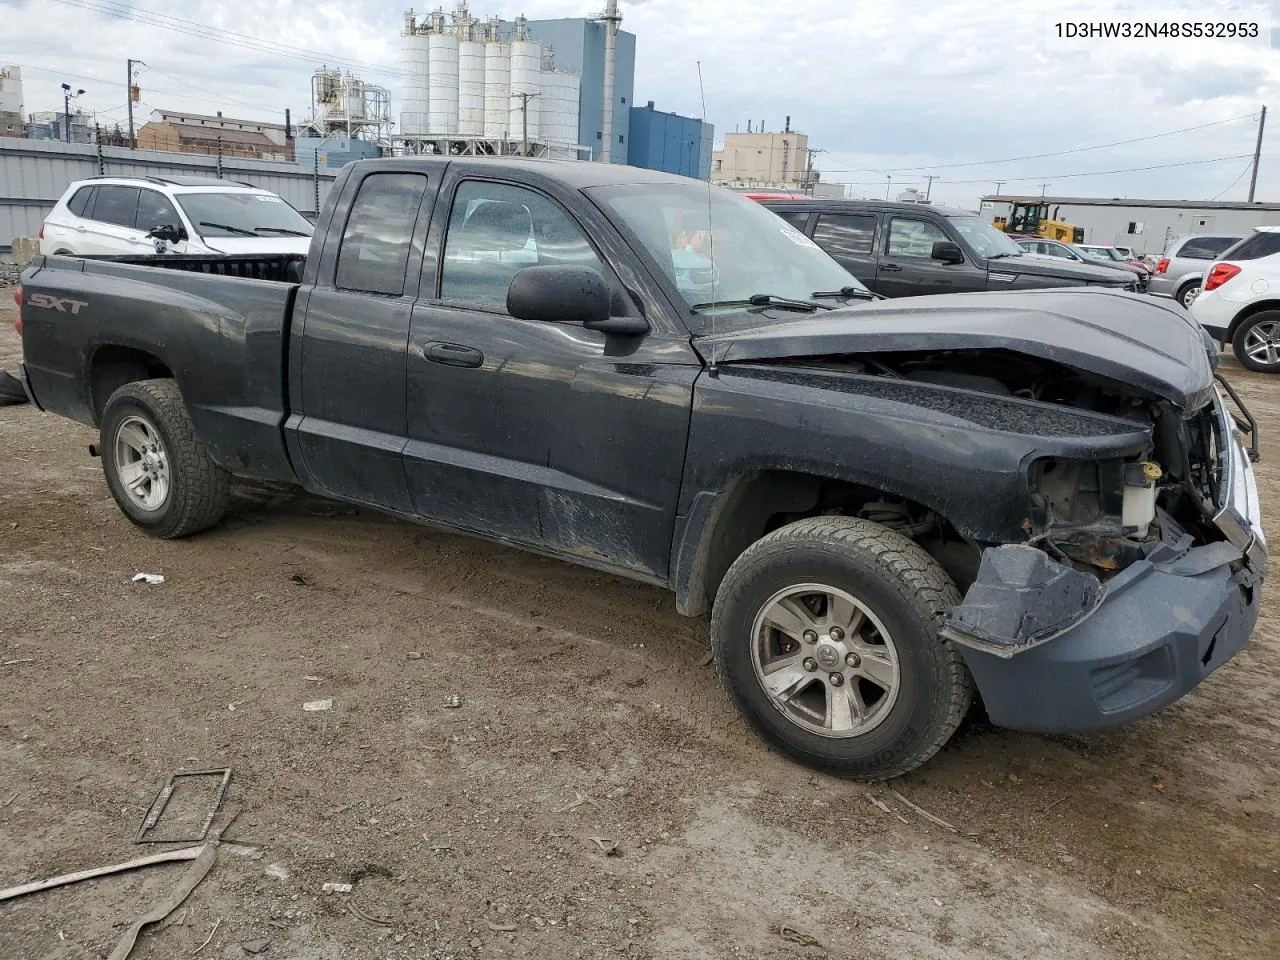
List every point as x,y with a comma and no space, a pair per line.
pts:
1138,579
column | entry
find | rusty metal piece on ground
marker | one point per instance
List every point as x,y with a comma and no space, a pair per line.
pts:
378,921
792,935
156,810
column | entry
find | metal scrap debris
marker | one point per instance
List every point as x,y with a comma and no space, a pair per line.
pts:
216,924
608,847
937,821
792,935
156,810
378,921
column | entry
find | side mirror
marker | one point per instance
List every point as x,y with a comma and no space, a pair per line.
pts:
567,294
947,251
169,232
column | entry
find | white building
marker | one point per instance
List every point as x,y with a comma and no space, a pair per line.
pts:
12,110
1145,225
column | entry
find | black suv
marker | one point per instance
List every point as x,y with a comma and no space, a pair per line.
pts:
911,249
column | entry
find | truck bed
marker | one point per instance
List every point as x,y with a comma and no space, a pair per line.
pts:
218,325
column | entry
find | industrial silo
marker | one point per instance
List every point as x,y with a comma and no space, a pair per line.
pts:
442,79
497,84
414,56
526,79
558,115
471,83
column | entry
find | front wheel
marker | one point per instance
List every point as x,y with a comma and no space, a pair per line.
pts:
1257,342
160,475
825,634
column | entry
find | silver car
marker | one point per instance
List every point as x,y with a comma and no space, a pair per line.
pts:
1184,262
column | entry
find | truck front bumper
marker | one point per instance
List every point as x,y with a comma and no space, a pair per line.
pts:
1151,635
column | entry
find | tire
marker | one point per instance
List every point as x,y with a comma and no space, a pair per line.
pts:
177,488
899,595
1187,293
1260,334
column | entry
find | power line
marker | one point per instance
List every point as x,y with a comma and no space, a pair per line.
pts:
1247,167
1087,173
218,35
1055,153
117,83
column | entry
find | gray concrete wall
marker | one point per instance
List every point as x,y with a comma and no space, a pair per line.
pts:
35,173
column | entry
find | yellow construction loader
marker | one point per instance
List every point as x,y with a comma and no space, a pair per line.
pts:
1033,220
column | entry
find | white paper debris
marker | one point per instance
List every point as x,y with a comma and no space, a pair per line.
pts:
152,578
313,705
336,888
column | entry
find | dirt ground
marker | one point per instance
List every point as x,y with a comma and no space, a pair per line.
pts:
585,711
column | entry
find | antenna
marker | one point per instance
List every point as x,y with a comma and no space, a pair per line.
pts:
711,235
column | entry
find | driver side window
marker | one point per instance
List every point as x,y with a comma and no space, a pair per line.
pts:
495,231
913,238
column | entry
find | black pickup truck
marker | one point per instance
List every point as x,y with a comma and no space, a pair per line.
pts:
884,505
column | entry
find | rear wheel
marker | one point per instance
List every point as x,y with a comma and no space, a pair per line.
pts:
825,634
1257,342
160,475
1188,292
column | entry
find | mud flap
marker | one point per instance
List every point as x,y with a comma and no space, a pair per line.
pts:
1021,599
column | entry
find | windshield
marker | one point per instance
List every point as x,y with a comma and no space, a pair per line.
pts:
984,239
755,251
243,215
1095,253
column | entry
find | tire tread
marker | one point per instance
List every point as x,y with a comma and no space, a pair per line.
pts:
206,487
918,578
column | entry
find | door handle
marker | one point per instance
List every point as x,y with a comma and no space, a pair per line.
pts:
890,268
452,354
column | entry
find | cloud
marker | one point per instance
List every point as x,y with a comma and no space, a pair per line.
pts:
879,84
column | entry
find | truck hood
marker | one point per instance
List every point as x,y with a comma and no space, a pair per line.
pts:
1034,265
1126,338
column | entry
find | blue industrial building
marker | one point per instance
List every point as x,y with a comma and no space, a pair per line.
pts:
578,46
670,142
333,151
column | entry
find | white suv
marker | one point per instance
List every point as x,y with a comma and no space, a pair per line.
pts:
1239,301
116,216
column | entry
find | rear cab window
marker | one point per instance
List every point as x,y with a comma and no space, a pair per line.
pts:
378,236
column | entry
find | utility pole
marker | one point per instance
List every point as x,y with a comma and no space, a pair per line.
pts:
1257,154
888,182
611,19
129,88
999,184
524,120
1043,188
67,97
929,189
811,182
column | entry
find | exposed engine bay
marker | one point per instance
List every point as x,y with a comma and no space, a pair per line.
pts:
1096,515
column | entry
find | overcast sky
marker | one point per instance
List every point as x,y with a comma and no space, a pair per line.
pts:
899,89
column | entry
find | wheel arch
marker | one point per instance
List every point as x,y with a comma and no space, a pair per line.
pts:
720,525
111,366
1261,306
